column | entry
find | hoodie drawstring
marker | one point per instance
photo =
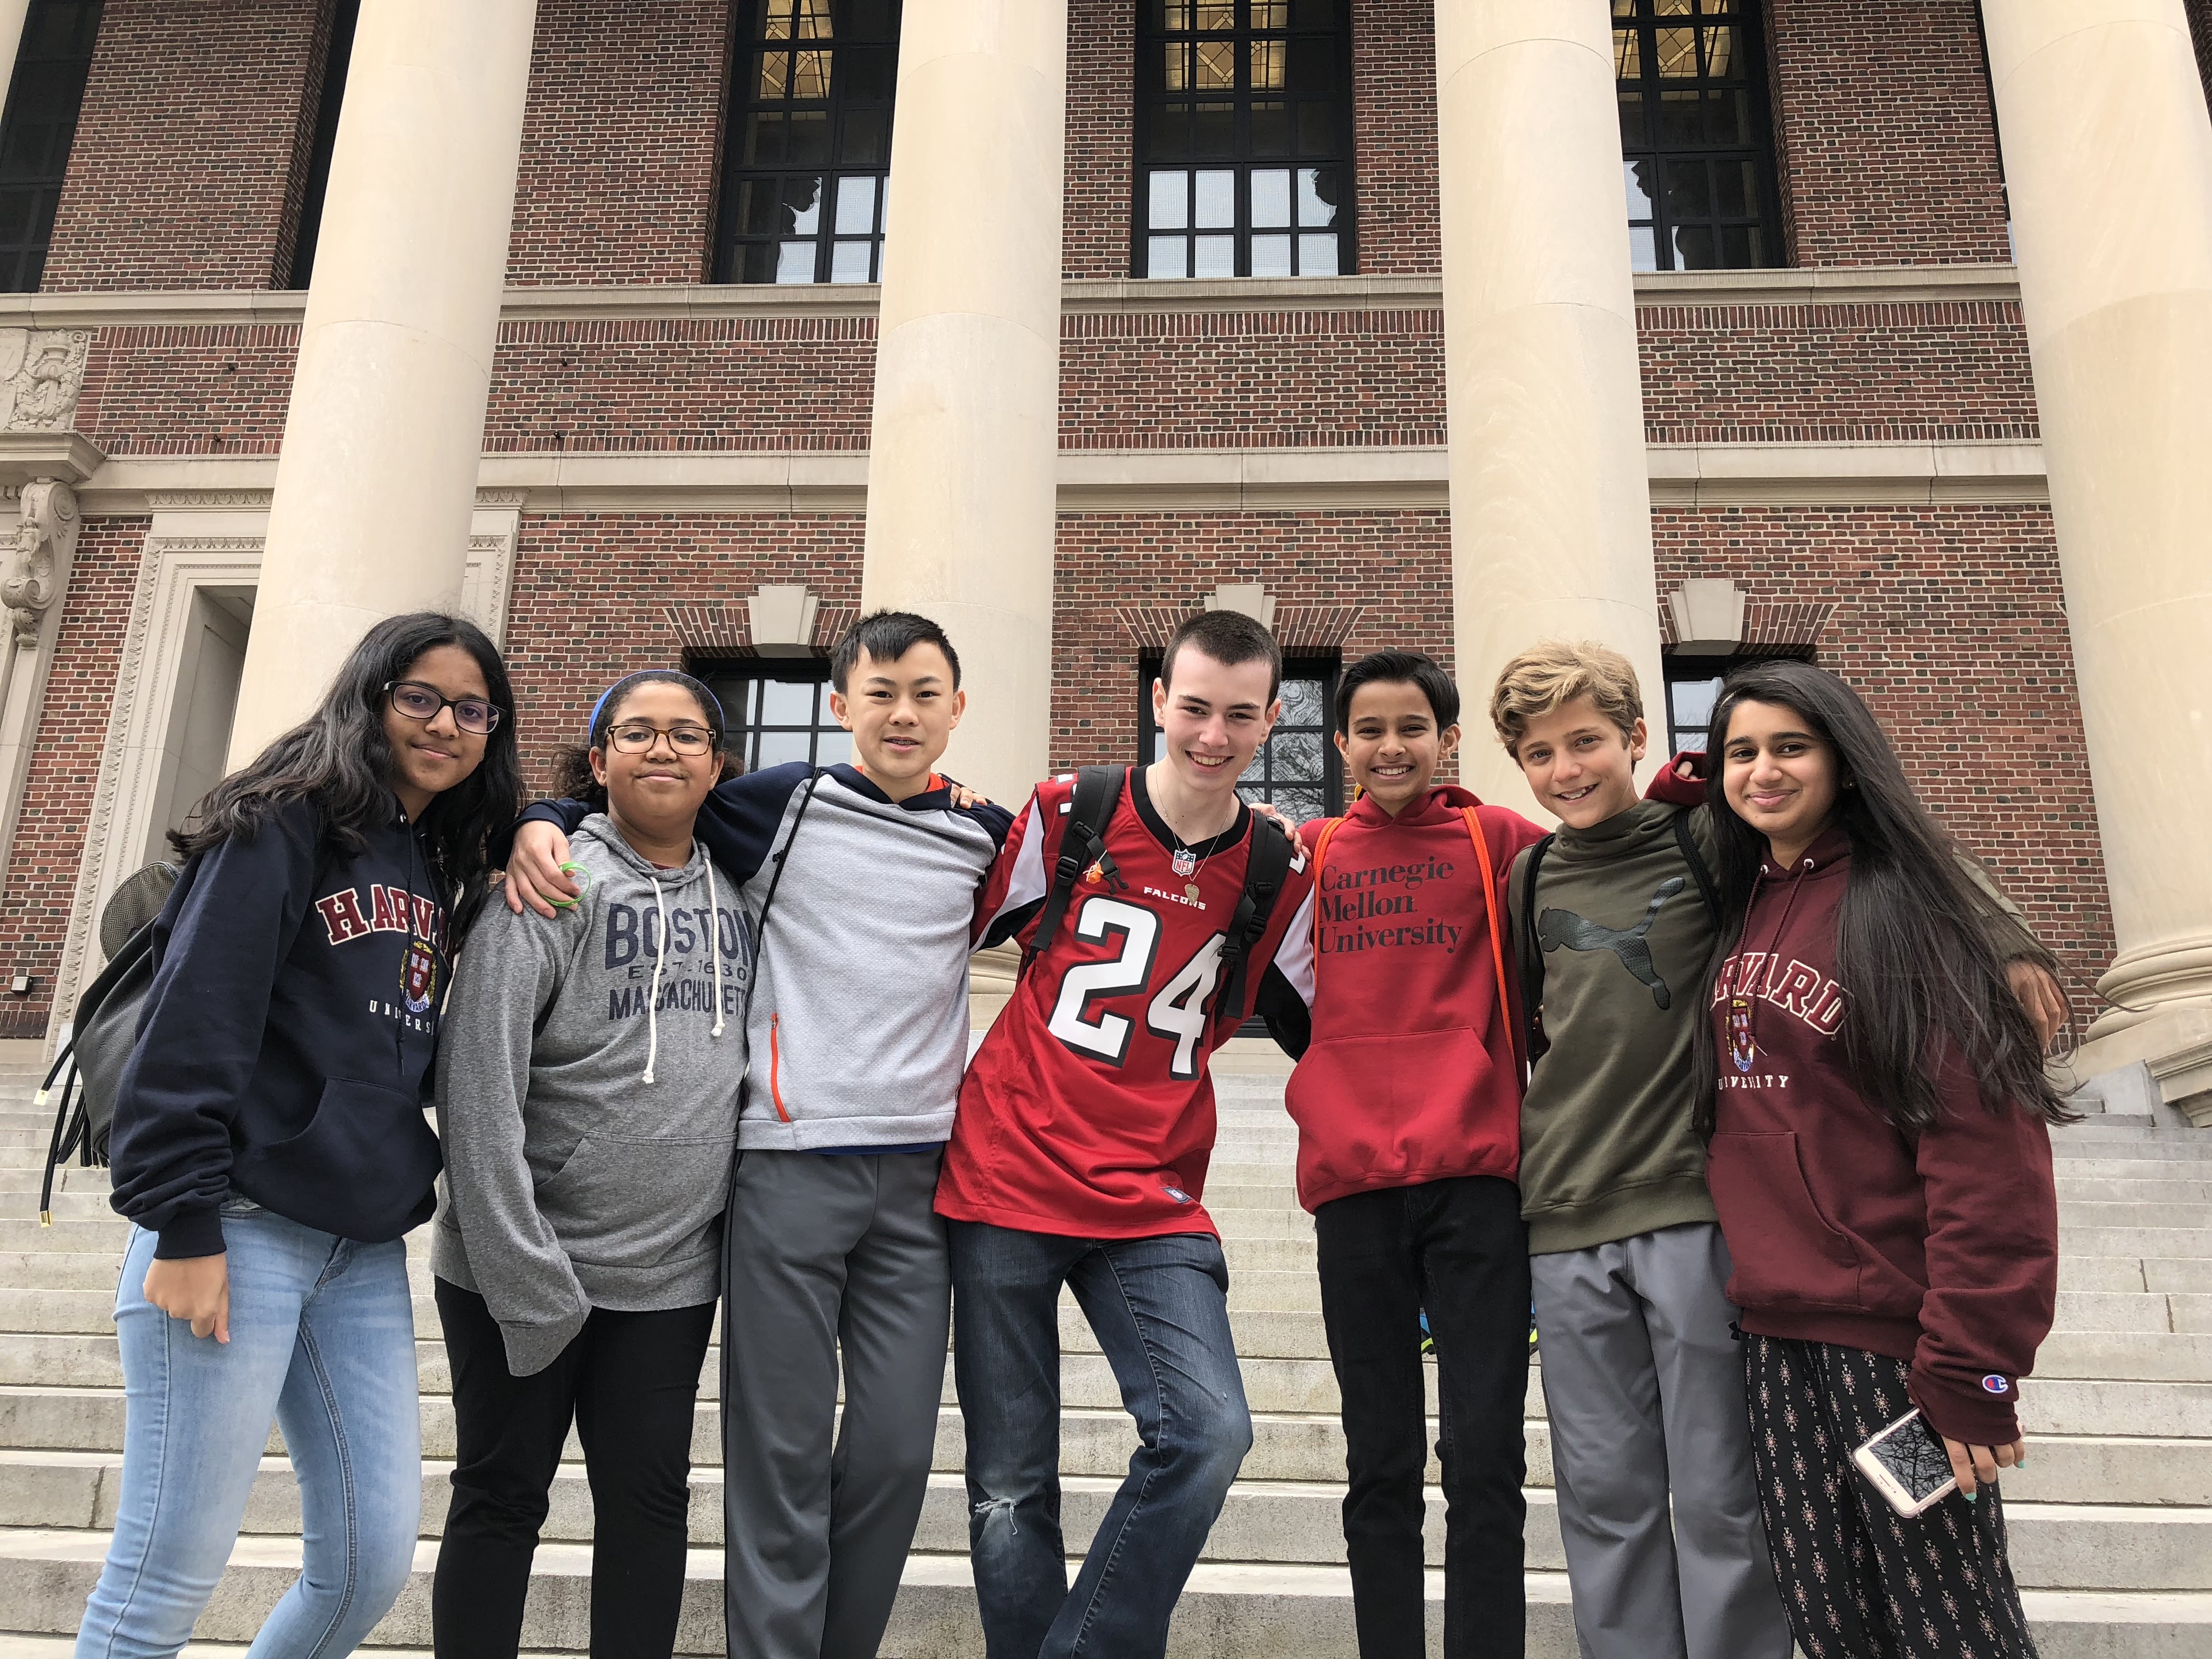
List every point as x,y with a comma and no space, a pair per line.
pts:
715,943
652,1003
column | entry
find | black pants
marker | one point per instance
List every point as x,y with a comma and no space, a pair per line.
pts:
1458,1250
1860,1581
630,1381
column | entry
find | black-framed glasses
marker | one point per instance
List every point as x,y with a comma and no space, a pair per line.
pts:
423,702
635,738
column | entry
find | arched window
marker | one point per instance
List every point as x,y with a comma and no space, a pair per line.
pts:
1243,138
809,145
1694,134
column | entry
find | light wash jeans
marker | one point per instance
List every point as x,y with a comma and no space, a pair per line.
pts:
322,1340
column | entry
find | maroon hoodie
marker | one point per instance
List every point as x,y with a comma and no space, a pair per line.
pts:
1941,1249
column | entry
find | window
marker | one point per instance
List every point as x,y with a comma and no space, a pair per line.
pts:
39,126
1298,769
343,21
1693,684
1694,135
809,148
1243,138
777,711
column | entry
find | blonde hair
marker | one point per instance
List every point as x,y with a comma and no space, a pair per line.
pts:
1547,677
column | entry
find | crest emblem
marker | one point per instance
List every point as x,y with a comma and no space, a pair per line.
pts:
418,976
1184,862
1741,1049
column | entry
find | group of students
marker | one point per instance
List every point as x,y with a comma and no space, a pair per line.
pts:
707,1045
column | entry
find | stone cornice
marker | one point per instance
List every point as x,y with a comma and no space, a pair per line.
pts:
70,456
1826,285
1129,480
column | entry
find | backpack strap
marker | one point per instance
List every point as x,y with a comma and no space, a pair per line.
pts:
1532,953
1320,852
1266,864
66,1131
1707,887
1082,844
1490,910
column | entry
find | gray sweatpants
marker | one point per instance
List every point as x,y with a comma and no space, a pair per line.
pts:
827,1256
1644,1388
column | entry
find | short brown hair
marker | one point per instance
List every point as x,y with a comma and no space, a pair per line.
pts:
1547,677
1230,637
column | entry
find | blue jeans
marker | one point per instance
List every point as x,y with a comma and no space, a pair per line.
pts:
322,1340
1160,1309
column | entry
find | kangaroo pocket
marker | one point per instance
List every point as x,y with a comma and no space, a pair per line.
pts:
362,1169
1370,1108
1787,1254
626,1203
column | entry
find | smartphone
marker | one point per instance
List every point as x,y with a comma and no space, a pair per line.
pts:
1907,1465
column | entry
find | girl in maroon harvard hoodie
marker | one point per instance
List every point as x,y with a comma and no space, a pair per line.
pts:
1881,1166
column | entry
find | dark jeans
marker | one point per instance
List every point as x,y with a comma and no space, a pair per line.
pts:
629,1380
1457,1251
1160,1309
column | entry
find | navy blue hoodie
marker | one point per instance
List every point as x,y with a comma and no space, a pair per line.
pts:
285,1043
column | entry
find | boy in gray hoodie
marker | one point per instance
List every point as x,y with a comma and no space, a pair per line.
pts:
587,1105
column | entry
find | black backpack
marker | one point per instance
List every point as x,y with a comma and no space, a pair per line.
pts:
104,1030
1083,843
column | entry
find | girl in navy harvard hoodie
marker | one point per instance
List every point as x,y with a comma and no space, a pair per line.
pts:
268,1143
1881,1166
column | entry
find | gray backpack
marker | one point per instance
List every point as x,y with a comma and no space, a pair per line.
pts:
105,1029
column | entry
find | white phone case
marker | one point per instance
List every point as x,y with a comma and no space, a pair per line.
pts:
1884,1480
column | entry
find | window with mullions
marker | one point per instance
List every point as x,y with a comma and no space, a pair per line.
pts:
1694,135
1297,770
809,148
1693,683
1244,138
776,712
44,101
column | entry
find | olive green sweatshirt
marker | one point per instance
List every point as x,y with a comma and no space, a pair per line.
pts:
1607,1149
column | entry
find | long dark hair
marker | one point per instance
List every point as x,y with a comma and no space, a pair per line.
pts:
572,768
339,758
1914,950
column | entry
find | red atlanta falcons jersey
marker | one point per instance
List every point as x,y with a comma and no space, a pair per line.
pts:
1087,1111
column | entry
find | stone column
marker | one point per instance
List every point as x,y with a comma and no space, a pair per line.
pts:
2108,163
964,440
377,477
1550,509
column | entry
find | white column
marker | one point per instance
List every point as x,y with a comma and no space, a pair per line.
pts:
965,432
1551,510
377,477
2108,164
12,13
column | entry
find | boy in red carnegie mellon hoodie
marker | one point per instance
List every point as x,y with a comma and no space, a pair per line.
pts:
1407,1098
1881,1167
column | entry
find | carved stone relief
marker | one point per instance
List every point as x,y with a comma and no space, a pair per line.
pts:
41,371
49,528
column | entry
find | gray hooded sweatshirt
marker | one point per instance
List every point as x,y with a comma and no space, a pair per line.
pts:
587,1106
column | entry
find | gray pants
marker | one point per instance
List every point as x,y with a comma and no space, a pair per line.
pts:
827,1254
1644,1385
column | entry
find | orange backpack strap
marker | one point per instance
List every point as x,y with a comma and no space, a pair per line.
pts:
1490,910
1320,852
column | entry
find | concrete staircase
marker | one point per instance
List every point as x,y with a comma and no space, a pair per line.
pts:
2111,1519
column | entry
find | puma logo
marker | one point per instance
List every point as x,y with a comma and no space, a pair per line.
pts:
1555,928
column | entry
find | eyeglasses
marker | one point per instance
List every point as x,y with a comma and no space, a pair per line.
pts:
635,737
423,702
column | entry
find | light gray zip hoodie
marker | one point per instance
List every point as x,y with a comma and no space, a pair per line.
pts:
587,1077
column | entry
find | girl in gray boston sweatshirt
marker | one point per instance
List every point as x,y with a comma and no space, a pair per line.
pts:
588,1102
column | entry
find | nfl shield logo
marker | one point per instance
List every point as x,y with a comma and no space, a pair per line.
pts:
1184,862
418,976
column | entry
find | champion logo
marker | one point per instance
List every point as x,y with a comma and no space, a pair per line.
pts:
1177,1194
1995,1383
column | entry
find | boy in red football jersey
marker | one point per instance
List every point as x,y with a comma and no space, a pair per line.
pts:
1080,1152
1407,1098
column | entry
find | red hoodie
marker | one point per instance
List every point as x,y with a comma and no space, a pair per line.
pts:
1939,1248
1412,1070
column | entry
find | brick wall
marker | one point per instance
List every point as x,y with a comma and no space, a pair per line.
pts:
1798,374
580,618
191,148
1101,141
1950,621
163,390
1394,93
621,142
58,796
1886,143
1395,565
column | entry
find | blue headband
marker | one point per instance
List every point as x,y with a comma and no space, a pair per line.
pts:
707,700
